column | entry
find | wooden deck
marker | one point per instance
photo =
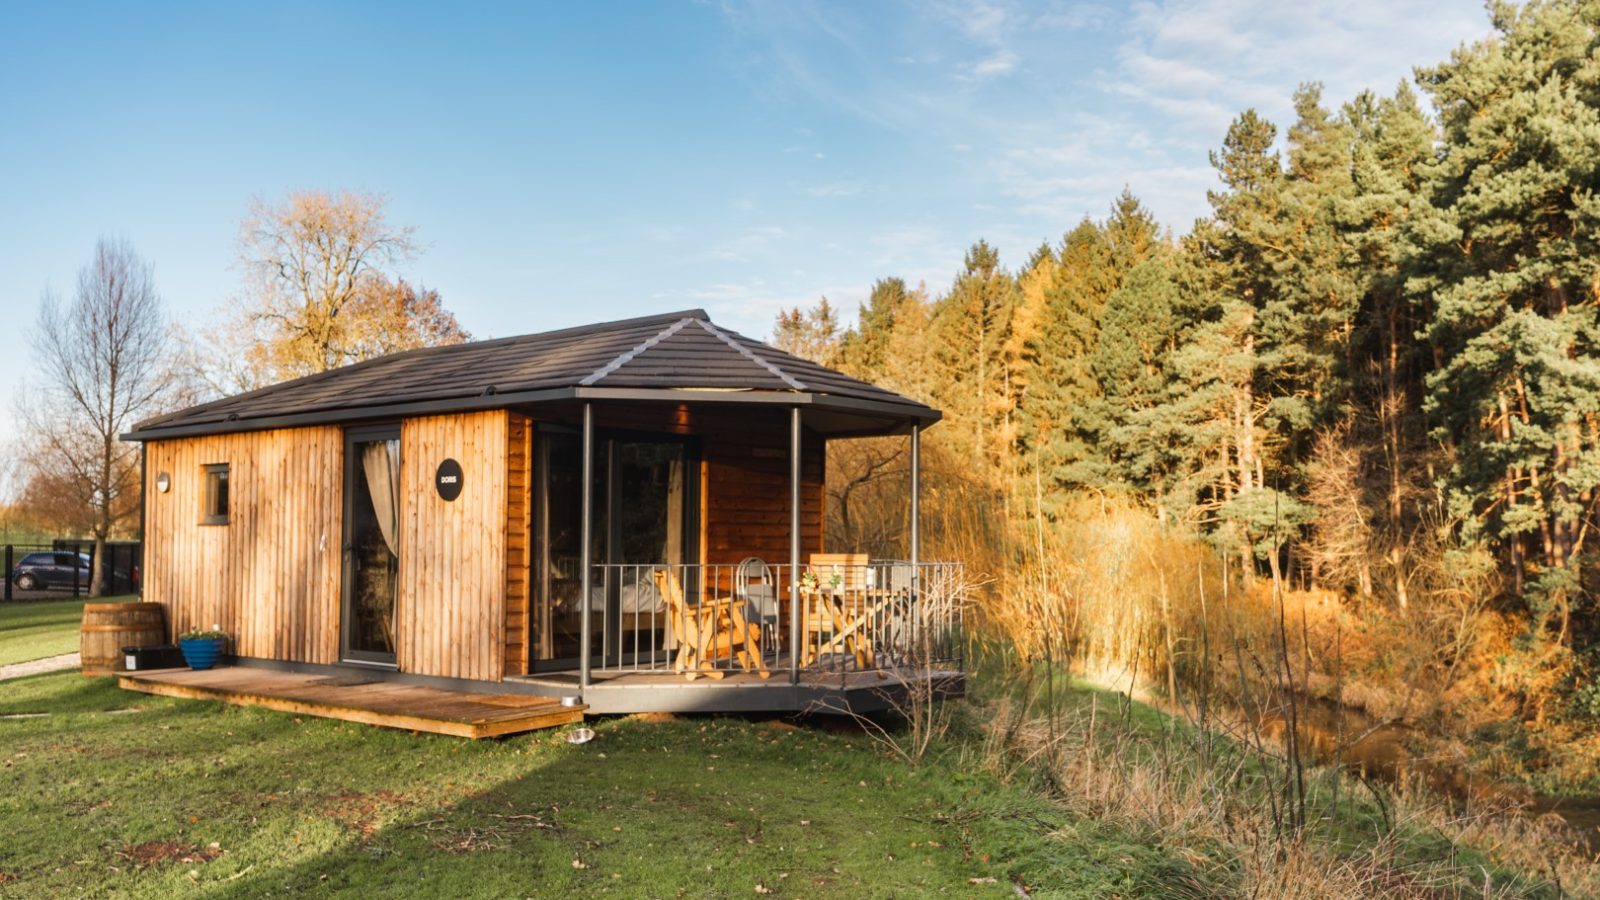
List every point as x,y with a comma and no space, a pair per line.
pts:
360,698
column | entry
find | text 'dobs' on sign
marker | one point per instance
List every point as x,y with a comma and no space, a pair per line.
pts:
448,479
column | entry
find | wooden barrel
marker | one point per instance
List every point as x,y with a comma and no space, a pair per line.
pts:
108,627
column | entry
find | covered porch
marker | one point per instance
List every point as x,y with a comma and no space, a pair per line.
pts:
708,587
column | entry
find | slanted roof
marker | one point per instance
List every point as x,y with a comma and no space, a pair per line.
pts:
679,356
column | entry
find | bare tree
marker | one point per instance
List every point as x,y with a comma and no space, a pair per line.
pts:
103,366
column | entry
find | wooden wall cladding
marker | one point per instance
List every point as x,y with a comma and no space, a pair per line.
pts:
745,476
519,535
451,619
270,576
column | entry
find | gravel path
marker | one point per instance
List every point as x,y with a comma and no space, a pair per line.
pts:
38,666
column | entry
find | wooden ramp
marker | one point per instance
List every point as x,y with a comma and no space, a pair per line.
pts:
358,698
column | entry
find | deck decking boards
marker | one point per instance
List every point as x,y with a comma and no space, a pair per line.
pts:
384,703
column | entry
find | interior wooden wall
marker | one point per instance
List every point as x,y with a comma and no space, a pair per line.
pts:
745,476
270,576
451,619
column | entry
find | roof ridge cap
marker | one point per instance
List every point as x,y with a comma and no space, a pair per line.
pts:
628,356
747,353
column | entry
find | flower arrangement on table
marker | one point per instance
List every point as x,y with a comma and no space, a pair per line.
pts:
810,580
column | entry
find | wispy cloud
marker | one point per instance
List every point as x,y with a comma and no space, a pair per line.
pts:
1020,118
836,189
1001,63
747,244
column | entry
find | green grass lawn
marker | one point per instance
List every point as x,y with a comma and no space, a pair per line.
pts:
125,794
36,629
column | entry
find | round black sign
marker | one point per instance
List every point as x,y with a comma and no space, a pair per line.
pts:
448,479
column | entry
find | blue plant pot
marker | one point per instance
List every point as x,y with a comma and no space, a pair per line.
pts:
201,654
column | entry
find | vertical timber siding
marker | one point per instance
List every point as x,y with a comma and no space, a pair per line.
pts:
519,551
451,618
270,576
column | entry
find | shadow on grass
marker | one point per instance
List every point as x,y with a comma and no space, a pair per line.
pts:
686,806
723,806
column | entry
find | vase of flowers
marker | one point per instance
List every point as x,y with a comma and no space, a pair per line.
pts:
202,647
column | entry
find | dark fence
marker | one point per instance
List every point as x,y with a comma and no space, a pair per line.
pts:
63,568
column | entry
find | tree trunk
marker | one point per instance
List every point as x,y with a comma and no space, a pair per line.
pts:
97,569
1391,405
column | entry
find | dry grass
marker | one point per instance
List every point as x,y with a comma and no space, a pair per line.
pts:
1211,799
1107,591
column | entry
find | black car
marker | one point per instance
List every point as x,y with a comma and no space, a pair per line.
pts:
51,569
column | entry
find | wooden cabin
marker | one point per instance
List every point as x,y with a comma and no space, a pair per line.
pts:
629,514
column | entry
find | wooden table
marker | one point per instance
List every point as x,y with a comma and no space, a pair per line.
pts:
846,616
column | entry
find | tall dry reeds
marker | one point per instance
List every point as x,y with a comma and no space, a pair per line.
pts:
1105,589
1217,810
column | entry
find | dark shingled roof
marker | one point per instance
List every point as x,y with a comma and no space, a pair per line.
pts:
666,357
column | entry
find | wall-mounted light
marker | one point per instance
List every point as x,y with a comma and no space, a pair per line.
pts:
163,482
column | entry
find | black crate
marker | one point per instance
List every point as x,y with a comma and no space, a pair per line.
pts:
164,657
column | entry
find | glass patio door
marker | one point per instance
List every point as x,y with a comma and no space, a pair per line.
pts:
371,544
642,518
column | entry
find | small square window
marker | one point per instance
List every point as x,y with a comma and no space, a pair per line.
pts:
216,498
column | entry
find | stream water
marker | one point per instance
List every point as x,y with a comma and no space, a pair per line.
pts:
1382,751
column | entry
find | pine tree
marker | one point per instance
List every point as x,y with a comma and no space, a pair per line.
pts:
969,331
1054,435
1229,284
1139,331
811,333
1063,431
863,350
1510,253
1393,144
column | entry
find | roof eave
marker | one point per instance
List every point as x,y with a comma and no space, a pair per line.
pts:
909,413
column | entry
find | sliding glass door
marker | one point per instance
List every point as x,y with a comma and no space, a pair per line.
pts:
371,544
642,517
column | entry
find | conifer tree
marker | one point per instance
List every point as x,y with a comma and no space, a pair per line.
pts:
864,349
1393,144
1054,436
1139,330
1510,253
969,334
1231,282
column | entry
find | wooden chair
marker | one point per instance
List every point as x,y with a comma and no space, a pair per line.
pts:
835,615
708,632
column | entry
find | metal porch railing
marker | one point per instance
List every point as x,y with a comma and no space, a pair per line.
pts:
771,621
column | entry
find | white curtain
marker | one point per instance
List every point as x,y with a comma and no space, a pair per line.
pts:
381,463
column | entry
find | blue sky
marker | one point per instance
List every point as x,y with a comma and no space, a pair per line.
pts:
568,163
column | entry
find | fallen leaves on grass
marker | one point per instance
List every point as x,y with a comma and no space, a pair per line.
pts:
360,812
152,853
